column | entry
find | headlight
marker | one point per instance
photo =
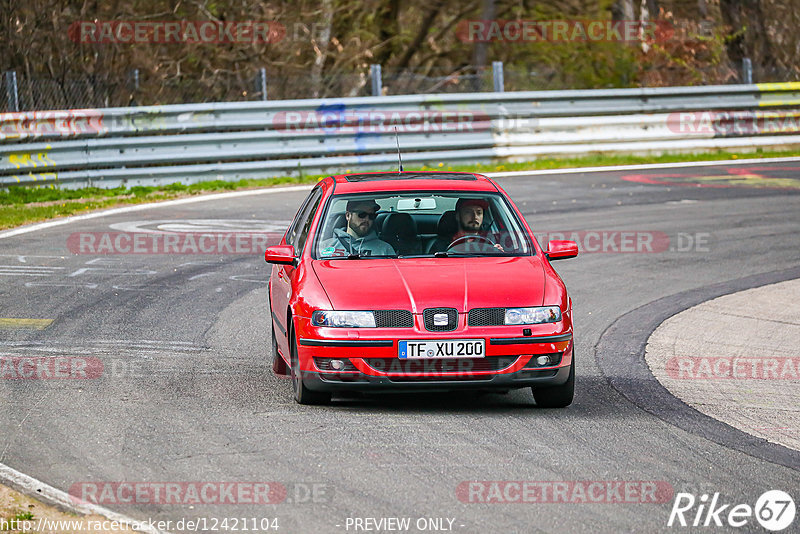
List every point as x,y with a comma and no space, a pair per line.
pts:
343,319
544,314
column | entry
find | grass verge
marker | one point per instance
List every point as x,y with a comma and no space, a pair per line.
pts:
24,205
22,514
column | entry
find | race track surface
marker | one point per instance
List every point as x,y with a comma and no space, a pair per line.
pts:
186,394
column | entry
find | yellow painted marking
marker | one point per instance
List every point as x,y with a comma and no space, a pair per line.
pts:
780,86
11,323
777,103
14,160
21,159
743,180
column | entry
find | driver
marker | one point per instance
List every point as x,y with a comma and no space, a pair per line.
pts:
469,215
359,237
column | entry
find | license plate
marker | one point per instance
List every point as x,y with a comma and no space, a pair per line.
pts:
446,348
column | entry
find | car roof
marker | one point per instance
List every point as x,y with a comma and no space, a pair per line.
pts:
411,181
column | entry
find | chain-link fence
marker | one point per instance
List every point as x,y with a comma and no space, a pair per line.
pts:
138,89
21,94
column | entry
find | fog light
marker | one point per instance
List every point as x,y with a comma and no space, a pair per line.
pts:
337,365
543,360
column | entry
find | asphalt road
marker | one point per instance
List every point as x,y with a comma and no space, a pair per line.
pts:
187,395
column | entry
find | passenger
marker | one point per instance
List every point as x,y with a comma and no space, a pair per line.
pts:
359,237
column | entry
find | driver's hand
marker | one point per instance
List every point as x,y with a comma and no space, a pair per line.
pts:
498,247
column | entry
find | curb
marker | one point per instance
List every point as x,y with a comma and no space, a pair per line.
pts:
628,372
63,501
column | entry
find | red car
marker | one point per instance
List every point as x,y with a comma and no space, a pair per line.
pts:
418,281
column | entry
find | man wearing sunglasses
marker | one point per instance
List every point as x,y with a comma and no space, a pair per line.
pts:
359,237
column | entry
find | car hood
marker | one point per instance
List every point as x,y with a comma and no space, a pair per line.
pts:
416,284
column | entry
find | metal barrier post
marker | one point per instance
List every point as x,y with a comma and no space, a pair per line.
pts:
497,75
747,70
133,84
375,75
262,83
11,90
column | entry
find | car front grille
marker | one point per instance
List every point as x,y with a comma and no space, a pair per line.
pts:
452,319
394,319
440,365
487,317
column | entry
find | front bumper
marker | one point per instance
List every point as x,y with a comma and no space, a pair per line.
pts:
320,381
373,363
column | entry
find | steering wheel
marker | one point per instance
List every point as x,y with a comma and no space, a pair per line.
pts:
466,238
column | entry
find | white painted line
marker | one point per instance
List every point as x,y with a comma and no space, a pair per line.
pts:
140,207
640,167
30,267
24,259
56,284
38,489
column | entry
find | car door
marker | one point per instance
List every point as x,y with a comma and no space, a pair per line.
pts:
283,276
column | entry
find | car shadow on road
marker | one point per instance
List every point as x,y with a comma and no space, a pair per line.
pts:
469,401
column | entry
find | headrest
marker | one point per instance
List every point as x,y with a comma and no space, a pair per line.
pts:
448,225
401,225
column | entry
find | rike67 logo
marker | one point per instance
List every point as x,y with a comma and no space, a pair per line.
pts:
774,510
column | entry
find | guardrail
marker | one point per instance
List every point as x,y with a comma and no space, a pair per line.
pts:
230,141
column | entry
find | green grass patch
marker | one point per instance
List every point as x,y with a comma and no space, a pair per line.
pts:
24,205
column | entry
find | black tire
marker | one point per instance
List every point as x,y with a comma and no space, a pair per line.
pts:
303,395
557,396
279,366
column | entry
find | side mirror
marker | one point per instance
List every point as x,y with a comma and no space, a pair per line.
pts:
280,255
561,250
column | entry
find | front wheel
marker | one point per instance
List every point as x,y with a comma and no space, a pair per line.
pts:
303,395
557,396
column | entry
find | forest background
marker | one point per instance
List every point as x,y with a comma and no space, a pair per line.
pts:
327,46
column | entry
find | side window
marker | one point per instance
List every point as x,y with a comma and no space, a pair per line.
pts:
300,230
299,219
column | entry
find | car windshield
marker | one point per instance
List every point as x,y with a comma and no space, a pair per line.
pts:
422,224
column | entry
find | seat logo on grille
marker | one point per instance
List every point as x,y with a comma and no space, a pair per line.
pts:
440,319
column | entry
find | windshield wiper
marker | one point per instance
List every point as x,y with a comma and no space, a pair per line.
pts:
356,256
